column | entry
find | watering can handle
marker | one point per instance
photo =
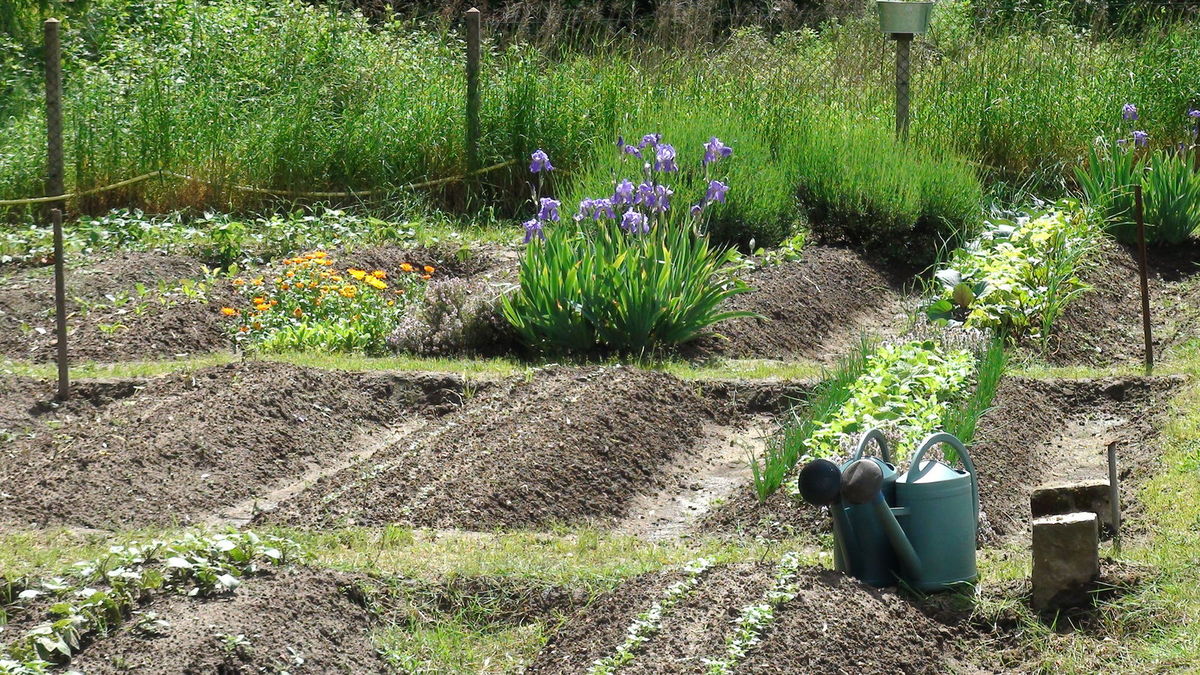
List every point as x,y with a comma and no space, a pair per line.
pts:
881,440
951,439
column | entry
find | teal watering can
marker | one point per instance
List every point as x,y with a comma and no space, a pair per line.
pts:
873,558
935,522
925,538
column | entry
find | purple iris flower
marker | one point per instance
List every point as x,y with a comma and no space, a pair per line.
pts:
630,150
620,141
1122,142
623,193
548,209
697,209
716,191
1130,112
634,222
650,139
662,198
541,162
533,227
714,149
603,208
646,196
587,207
1194,114
664,158
1141,139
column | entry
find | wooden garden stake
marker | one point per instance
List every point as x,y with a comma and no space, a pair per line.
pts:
60,307
54,142
903,72
1139,216
473,163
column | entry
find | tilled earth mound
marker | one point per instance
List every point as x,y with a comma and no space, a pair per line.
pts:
835,625
1103,325
813,308
298,621
570,445
108,319
180,446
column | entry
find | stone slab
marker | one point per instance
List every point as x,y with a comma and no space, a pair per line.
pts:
1066,560
1085,495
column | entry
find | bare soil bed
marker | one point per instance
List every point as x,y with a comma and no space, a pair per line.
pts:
297,620
570,446
175,448
1018,447
835,625
815,308
1103,326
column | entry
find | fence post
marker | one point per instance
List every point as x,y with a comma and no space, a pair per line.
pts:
54,142
903,71
1140,219
60,307
472,149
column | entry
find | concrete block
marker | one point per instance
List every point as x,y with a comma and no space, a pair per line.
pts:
1066,560
1086,495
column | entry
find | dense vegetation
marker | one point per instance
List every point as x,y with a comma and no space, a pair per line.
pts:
293,97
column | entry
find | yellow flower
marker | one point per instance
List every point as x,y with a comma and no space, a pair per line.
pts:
379,274
348,291
298,313
375,283
239,282
336,277
356,273
259,300
229,311
262,307
406,267
257,325
429,269
391,303
258,281
319,254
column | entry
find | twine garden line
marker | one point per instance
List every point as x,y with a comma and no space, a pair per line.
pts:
248,188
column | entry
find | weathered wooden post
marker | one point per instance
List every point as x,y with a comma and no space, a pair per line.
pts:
60,308
54,188
473,162
1140,220
54,143
903,77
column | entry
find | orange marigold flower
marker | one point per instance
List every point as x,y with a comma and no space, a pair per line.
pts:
258,281
320,254
285,285
257,325
379,274
348,291
262,307
298,313
357,273
259,300
406,267
375,283
429,269
229,311
336,277
290,274
273,303
243,328
239,282
426,276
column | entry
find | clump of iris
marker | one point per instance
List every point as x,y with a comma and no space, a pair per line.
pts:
636,208
1141,139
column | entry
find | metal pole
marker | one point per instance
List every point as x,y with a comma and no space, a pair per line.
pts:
1139,216
54,142
1114,494
60,307
903,72
473,163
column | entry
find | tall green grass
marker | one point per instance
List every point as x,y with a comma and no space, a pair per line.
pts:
291,96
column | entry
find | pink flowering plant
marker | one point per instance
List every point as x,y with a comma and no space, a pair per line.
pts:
631,271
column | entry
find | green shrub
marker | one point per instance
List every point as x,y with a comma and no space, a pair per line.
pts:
865,189
637,273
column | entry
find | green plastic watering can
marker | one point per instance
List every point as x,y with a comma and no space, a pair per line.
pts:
871,556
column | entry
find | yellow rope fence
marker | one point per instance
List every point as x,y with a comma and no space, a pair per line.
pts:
256,190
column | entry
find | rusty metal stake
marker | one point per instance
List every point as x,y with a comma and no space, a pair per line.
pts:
54,141
1140,219
1114,495
473,49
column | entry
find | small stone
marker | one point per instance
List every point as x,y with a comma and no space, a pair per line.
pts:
1091,496
1066,560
